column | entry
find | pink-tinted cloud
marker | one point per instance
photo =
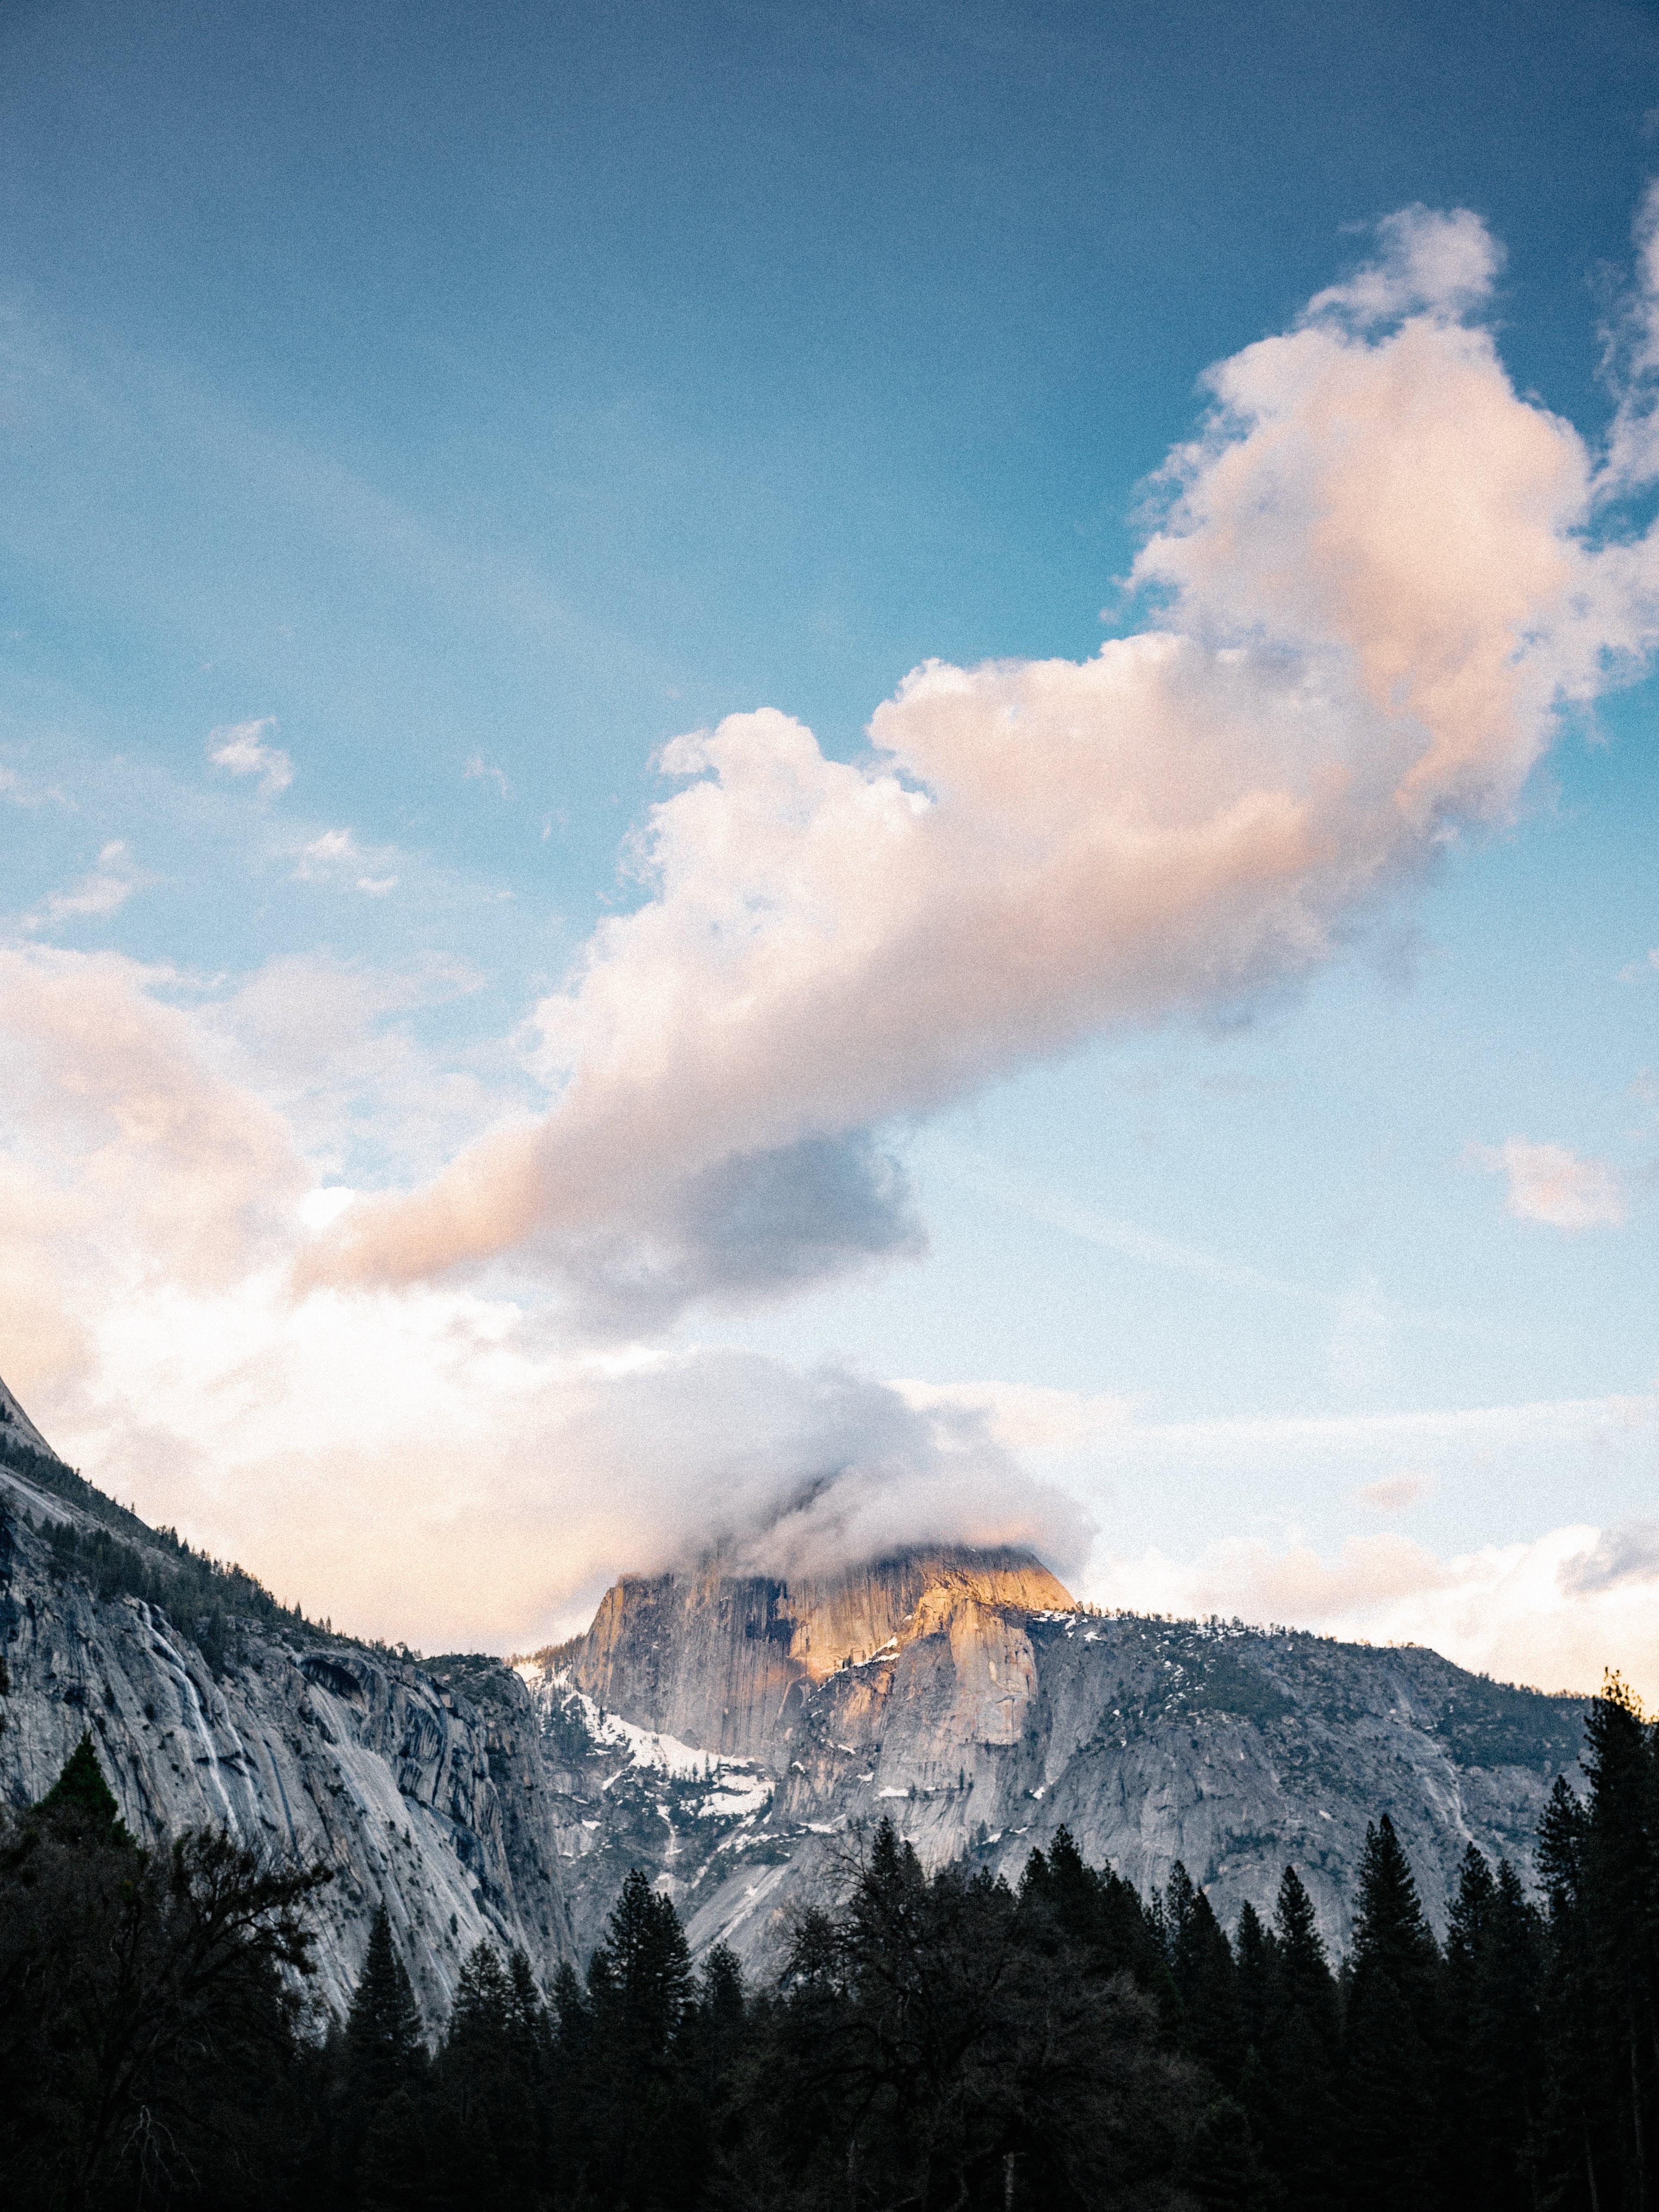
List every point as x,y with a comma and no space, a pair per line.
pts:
1394,1493
1548,1183
1379,589
425,1462
1555,1612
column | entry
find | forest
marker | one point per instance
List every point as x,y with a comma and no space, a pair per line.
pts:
937,2042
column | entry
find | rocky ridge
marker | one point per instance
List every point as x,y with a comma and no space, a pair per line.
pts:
987,1715
423,1789
738,1737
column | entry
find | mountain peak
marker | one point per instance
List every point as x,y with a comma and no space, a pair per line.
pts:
723,1659
16,1428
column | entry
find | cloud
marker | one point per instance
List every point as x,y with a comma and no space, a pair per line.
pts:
479,770
1554,1611
335,855
427,1462
128,1167
1024,1417
1394,1493
1549,1183
1378,584
241,748
1619,1558
324,855
103,890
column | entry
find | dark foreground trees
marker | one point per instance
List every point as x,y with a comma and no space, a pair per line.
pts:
148,2043
937,2041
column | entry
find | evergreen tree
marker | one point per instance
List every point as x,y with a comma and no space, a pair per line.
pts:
82,1799
380,2156
1094,1910
641,2129
384,2047
1391,2139
1598,1860
1201,1963
1290,2085
1492,2076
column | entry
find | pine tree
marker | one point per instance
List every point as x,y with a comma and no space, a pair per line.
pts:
643,2122
1618,1906
385,2048
1290,2091
1201,1962
380,2156
81,1800
1391,2140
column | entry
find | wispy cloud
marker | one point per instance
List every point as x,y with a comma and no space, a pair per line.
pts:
479,770
241,748
102,890
1394,1493
1548,1183
336,856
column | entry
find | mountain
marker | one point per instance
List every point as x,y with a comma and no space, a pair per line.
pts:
421,1786
736,1735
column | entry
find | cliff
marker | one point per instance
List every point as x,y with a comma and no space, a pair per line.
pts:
423,1791
968,1699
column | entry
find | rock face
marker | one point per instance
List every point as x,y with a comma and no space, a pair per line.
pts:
966,1697
737,1737
426,1794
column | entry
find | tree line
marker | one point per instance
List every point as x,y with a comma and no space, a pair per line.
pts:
938,2042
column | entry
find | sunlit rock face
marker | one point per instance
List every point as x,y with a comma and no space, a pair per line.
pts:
967,1699
422,1794
731,1663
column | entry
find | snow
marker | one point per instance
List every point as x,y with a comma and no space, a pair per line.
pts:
735,1786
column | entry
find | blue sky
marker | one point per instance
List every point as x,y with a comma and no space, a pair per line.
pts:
449,408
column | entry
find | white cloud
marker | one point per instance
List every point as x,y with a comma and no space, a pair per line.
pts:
1554,1611
241,748
1379,585
479,770
421,1462
103,890
1394,1493
333,849
1548,1183
335,855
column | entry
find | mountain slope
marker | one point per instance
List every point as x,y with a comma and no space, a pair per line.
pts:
210,1703
983,1721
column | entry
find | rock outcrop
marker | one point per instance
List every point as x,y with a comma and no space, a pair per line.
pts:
966,1697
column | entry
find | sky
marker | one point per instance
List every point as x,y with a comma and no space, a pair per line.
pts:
805,779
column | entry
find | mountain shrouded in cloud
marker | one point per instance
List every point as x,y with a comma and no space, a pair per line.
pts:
1381,581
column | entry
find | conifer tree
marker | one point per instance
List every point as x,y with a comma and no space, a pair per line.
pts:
385,2048
641,2124
82,1800
1201,1963
380,2064
1290,2085
1391,2139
